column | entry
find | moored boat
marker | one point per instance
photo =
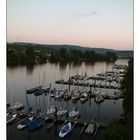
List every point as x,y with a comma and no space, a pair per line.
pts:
25,122
17,106
36,123
73,113
90,128
62,112
53,93
75,96
84,97
59,94
67,95
38,92
65,130
11,117
99,98
51,111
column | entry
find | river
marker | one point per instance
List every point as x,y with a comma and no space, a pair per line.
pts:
21,78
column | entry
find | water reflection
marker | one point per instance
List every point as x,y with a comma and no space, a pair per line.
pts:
29,69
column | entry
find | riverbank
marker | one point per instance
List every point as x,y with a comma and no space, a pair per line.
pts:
122,129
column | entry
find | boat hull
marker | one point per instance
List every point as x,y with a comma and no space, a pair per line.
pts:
65,130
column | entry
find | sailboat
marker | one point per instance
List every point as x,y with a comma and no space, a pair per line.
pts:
76,95
44,88
38,92
36,123
65,130
99,98
17,106
11,117
53,92
25,122
83,97
67,95
59,94
51,111
62,112
73,113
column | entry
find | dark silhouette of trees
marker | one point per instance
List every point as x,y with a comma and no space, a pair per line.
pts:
123,129
27,54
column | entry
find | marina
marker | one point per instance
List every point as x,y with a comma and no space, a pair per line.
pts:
65,110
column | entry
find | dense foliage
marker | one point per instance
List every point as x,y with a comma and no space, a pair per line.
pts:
123,129
27,54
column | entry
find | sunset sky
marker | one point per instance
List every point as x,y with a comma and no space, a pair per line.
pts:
89,23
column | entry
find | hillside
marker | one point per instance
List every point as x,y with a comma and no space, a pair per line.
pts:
47,47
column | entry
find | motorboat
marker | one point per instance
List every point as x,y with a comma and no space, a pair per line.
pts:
91,128
65,130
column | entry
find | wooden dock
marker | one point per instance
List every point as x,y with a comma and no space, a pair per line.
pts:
86,84
79,122
32,90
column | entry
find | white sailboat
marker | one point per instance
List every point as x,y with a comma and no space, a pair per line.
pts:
84,97
17,106
11,117
51,110
62,112
73,113
75,95
59,94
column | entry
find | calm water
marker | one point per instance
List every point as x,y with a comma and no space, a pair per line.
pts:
21,78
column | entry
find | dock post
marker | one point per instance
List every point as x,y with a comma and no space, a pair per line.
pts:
90,91
55,114
69,83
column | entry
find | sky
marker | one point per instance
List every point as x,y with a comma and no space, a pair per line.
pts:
89,23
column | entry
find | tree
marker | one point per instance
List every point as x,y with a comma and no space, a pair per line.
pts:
111,56
123,130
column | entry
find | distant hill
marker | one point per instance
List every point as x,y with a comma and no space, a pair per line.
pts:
23,45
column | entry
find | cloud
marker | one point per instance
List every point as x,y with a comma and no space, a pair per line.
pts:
87,15
93,13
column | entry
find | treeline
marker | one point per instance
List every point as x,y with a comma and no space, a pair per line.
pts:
30,55
122,129
64,55
27,56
